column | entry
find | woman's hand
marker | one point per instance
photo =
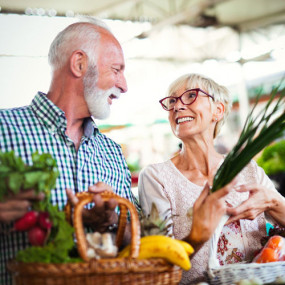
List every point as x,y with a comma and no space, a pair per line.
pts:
207,212
103,214
15,206
260,200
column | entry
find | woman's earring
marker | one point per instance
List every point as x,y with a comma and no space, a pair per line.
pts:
216,119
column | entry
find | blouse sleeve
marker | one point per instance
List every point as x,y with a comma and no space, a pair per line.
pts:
151,190
263,179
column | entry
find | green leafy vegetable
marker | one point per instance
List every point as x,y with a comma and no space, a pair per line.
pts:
15,175
272,159
257,133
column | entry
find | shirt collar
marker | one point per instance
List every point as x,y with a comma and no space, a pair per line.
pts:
54,118
90,127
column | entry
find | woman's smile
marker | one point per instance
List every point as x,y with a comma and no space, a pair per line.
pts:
182,120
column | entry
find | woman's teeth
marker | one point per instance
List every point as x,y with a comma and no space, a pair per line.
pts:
185,119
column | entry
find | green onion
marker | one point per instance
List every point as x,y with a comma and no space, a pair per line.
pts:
257,133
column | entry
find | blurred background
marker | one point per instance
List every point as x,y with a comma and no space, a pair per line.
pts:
238,43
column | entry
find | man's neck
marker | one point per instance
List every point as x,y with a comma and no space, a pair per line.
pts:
75,111
75,133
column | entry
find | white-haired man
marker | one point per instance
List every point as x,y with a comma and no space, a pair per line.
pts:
87,74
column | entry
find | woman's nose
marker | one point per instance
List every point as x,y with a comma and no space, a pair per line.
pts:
179,105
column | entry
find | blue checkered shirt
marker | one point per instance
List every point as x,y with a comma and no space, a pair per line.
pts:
41,127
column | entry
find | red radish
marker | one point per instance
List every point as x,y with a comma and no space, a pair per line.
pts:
44,220
37,236
27,221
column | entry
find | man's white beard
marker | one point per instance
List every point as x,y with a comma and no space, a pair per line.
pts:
96,98
97,102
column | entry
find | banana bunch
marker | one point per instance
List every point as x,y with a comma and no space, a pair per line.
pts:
173,250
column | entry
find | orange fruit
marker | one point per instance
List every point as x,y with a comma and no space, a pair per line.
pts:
267,255
275,242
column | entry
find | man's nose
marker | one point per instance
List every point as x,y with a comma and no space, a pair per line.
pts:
122,84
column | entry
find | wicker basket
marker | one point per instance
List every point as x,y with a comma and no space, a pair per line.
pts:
233,273
103,271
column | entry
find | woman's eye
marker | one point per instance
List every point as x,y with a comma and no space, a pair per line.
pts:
191,95
172,101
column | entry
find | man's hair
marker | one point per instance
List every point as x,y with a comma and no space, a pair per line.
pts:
84,35
219,92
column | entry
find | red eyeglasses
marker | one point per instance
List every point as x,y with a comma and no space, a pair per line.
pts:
187,98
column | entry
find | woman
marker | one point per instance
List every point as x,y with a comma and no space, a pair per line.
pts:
197,108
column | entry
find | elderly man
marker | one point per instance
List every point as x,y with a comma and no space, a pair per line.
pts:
87,75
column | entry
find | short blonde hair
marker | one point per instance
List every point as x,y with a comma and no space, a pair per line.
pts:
219,92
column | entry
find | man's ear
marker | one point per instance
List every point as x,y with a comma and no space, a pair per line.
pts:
78,63
219,112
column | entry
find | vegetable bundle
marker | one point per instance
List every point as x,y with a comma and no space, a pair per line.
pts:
49,234
257,133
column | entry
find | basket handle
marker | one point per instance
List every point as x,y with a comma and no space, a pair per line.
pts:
124,205
122,218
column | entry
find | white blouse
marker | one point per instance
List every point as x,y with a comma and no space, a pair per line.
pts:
174,194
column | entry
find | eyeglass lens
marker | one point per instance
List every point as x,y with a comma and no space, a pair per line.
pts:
186,98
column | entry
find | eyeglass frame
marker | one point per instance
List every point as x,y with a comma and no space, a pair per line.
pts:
197,90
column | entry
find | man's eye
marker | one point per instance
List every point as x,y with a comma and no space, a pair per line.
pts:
116,70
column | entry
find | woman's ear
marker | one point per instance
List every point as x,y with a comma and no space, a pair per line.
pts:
78,63
219,112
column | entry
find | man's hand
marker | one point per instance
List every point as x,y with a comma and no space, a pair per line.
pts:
103,214
17,205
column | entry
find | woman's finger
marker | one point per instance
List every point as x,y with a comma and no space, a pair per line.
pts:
246,188
204,194
224,191
249,215
243,207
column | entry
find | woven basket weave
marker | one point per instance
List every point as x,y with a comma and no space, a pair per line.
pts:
113,271
233,273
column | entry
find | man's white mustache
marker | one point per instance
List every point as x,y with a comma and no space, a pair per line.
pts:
114,91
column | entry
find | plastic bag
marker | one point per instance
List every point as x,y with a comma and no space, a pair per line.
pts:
274,250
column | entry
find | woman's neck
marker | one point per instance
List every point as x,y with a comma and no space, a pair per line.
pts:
198,161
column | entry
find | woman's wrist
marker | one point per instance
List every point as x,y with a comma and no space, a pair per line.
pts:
277,208
194,241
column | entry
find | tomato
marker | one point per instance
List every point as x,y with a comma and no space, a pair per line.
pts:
275,242
267,255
